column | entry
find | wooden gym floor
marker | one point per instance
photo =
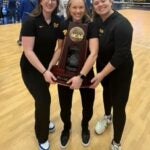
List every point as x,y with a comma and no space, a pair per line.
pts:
17,105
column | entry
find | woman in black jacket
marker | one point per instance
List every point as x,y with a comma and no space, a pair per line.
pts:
114,66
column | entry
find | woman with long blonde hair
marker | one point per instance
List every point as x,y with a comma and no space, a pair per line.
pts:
77,12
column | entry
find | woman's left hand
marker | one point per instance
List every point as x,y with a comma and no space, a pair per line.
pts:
75,82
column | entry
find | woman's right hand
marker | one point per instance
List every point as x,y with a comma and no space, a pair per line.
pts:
49,77
96,80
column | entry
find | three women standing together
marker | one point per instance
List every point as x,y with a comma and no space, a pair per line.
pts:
109,37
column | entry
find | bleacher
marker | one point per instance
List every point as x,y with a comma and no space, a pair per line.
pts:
135,4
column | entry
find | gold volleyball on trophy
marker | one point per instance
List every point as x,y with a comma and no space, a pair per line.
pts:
76,34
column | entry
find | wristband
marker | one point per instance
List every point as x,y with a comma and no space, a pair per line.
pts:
44,72
82,76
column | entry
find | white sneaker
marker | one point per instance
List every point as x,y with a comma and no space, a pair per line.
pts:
51,127
115,146
44,146
103,124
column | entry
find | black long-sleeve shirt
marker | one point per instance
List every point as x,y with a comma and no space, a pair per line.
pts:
115,38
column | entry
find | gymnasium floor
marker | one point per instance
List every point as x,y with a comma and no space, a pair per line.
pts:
17,105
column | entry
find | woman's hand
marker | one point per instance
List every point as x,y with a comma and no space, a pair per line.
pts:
49,77
96,80
75,82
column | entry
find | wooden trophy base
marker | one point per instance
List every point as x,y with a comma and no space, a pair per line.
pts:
63,76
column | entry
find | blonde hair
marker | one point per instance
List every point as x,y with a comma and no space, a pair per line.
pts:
86,17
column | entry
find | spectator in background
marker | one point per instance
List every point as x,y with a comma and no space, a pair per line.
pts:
26,7
18,17
12,11
62,9
1,14
89,7
5,13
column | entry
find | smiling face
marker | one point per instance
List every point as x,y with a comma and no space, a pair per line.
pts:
76,9
103,7
49,6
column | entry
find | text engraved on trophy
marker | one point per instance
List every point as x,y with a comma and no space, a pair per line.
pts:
76,34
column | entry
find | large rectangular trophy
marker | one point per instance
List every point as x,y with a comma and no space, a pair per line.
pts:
73,54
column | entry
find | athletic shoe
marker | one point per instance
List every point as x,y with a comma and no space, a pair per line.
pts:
115,146
64,138
85,137
51,127
102,125
44,146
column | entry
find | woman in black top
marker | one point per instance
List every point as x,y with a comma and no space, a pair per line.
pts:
114,66
76,12
39,35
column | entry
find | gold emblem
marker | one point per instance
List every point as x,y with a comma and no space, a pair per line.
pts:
56,25
76,34
65,32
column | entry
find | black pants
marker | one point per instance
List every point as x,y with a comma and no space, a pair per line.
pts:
39,89
116,87
65,100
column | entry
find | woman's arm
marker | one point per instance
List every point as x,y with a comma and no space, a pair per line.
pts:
56,55
93,47
48,75
101,75
28,44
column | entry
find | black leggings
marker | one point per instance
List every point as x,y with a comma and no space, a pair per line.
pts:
65,100
116,89
39,89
